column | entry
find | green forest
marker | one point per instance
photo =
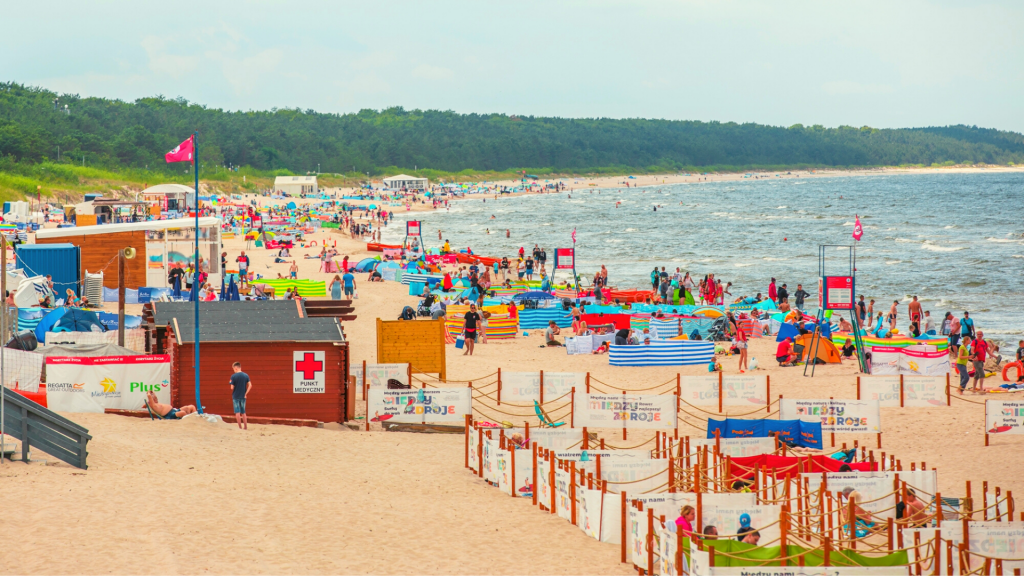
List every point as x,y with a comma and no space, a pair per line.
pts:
120,136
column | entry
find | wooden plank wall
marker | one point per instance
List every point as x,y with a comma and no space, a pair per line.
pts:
419,343
269,366
100,249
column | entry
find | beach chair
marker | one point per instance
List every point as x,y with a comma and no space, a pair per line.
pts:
545,420
154,415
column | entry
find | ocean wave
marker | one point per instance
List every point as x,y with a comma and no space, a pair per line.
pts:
907,241
770,259
950,227
782,207
743,264
937,248
1001,240
849,223
890,262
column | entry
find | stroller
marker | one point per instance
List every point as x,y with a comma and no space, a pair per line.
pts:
718,331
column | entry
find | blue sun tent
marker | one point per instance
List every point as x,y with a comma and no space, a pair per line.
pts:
365,265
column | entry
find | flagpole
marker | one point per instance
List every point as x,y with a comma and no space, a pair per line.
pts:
195,276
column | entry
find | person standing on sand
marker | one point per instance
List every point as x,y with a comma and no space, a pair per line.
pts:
472,320
861,311
892,315
240,386
801,294
978,358
741,343
773,294
914,308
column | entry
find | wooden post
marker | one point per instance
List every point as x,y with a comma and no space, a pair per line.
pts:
901,391
984,500
858,387
551,478
588,382
826,560
120,296
499,387
480,453
699,513
622,536
468,418
541,388
679,398
671,470
783,527
533,447
366,399
768,400
947,389
720,393
572,407
650,540
586,439
833,433
572,491
512,473
623,422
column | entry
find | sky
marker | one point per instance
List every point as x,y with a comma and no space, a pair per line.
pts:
882,64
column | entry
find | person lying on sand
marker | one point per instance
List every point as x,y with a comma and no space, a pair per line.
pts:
166,411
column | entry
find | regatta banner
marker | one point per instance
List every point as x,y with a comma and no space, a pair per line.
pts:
1004,417
423,405
625,411
835,415
885,360
80,384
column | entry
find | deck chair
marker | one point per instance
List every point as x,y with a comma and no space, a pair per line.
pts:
545,420
154,415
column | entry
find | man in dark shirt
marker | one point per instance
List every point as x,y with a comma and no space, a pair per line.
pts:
800,294
175,272
240,386
783,294
469,332
622,337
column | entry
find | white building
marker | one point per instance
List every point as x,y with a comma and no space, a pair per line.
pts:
407,182
170,197
296,185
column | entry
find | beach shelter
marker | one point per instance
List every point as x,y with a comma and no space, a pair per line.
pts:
826,350
787,331
533,295
78,320
48,322
365,265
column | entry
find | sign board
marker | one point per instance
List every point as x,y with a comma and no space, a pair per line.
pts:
309,372
838,292
412,228
80,384
835,415
565,258
1004,417
625,411
423,405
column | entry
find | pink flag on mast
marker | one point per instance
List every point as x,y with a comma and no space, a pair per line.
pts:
182,152
858,230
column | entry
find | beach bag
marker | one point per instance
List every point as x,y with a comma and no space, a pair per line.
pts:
355,295
460,342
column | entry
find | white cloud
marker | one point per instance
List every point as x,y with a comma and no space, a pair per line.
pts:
173,65
428,72
845,87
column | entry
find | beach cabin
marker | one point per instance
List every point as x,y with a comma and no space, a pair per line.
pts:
404,181
170,197
299,365
296,185
158,243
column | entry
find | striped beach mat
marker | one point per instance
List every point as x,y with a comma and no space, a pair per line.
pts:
408,277
663,353
307,288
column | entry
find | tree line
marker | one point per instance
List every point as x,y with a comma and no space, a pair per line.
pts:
114,134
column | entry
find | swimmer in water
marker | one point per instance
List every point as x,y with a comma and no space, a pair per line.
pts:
492,216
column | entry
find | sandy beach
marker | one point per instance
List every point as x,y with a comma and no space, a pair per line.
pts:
193,497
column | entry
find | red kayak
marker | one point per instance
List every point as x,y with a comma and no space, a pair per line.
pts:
375,247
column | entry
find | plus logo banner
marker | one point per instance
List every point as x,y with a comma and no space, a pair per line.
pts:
309,374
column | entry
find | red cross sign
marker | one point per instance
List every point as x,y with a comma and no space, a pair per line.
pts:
309,366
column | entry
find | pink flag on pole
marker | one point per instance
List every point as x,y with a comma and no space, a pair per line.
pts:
181,153
858,230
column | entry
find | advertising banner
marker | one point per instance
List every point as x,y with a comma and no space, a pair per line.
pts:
522,487
633,474
835,415
423,405
599,515
875,488
626,411
885,360
524,387
1004,417
736,447
377,375
80,384
699,390
997,540
884,389
919,363
763,518
563,504
543,483
924,391
745,390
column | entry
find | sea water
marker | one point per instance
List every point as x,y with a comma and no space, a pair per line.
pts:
954,240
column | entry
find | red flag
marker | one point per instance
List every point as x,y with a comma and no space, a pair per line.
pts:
858,230
182,152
